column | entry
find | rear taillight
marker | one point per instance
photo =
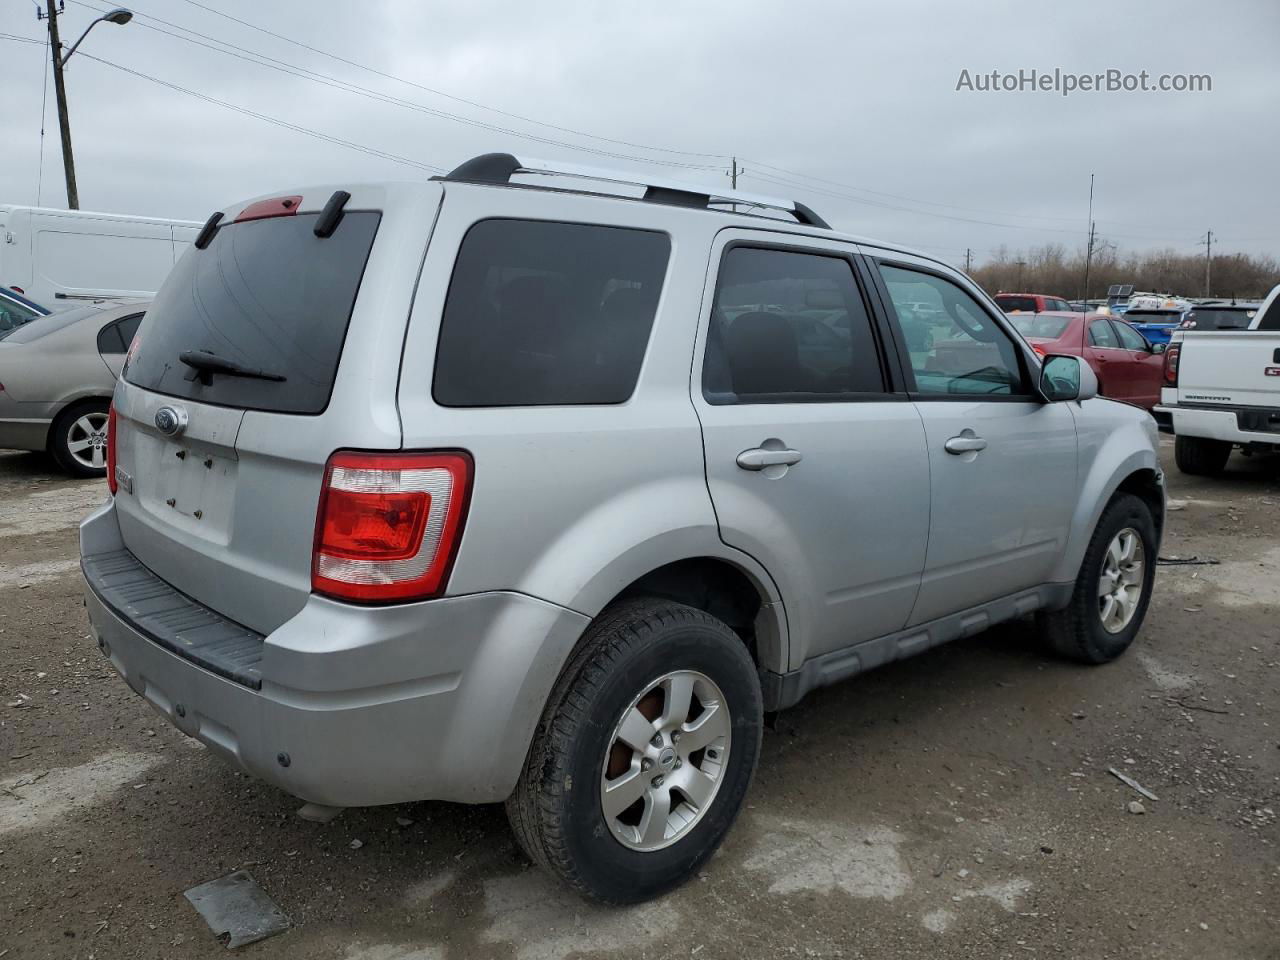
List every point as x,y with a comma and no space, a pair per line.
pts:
388,525
111,450
1171,364
1039,349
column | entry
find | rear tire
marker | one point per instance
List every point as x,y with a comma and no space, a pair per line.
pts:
78,438
1199,456
1119,566
572,811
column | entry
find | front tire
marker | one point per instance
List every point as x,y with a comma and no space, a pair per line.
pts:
1112,590
1200,456
644,753
78,438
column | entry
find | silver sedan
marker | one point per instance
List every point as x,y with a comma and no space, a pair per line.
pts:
57,374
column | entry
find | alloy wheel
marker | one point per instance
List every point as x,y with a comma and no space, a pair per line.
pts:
87,440
1122,580
665,761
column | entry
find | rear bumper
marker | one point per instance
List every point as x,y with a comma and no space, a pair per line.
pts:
361,706
1211,424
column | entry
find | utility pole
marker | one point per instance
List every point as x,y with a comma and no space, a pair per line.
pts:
1088,254
968,259
734,172
64,121
1208,260
119,16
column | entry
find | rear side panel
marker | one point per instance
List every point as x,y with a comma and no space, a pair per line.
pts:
224,510
571,502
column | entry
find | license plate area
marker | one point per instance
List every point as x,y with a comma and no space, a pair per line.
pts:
188,486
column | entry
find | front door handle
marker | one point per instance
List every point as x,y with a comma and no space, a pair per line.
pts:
959,445
757,458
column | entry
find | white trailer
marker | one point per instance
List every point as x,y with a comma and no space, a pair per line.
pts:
65,258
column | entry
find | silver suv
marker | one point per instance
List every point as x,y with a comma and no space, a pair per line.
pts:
548,491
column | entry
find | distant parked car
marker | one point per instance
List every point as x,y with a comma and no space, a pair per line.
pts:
1220,316
1030,303
57,374
16,310
1129,368
1155,323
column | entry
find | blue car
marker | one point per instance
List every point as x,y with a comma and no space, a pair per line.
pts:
1157,325
16,310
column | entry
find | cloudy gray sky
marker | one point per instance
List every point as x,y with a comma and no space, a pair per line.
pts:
851,107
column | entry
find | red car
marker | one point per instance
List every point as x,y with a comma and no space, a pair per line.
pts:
1128,367
1030,303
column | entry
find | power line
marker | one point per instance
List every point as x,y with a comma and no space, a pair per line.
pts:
305,73
928,213
432,110
450,96
339,141
44,102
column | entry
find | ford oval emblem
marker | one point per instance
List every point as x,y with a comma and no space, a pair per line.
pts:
171,421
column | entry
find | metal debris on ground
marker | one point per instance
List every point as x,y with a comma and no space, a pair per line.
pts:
1187,562
1130,782
237,910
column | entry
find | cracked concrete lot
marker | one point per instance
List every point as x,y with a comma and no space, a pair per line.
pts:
953,806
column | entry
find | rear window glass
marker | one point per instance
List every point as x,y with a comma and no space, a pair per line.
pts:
1040,326
1209,318
543,313
1153,316
1021,304
267,295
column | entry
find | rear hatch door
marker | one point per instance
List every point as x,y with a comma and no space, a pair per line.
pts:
262,354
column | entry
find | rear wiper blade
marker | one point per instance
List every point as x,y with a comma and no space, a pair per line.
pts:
204,365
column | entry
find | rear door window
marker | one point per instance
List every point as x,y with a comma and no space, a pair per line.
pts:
1101,335
267,295
541,313
788,327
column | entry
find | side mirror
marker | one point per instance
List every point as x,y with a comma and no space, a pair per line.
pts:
1159,347
1064,377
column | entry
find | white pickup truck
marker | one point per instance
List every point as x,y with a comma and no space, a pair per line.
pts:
1222,390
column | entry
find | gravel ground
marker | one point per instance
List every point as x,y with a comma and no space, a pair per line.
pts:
956,805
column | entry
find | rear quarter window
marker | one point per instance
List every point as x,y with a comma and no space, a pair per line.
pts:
541,313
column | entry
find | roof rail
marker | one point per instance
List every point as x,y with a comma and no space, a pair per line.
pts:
501,167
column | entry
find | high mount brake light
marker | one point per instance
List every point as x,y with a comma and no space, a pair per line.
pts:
275,207
388,525
111,450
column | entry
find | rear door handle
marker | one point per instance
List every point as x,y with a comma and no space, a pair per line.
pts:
757,458
959,445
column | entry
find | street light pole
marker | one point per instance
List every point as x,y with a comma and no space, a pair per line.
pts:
118,16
